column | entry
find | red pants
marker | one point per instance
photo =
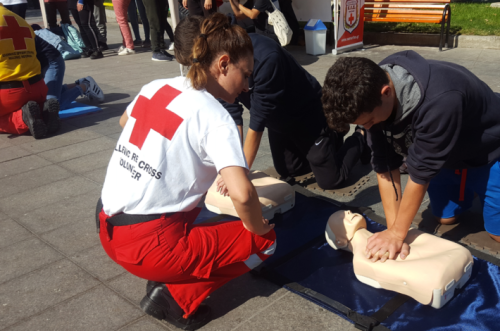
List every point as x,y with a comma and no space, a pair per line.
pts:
192,260
11,102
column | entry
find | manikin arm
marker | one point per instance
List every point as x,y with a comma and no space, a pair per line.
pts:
245,200
399,217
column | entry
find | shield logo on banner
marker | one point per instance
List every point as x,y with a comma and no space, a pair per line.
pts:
351,15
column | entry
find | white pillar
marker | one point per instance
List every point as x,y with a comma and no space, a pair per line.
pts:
44,14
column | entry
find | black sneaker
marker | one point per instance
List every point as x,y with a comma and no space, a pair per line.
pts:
160,304
162,55
51,115
96,55
146,43
33,119
103,46
86,53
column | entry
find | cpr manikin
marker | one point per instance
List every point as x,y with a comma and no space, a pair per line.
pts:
430,273
275,196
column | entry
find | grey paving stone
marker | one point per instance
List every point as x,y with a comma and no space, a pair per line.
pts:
74,237
97,175
25,296
11,153
105,123
32,179
78,150
96,310
21,203
145,324
293,312
15,140
240,299
130,286
12,232
89,162
76,209
23,164
97,262
4,144
25,256
61,139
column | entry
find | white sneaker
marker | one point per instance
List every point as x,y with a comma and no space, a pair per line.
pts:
93,90
171,47
126,51
120,49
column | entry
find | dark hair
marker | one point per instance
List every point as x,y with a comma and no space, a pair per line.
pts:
352,86
216,37
185,35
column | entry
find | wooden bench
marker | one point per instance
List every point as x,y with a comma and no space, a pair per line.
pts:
411,11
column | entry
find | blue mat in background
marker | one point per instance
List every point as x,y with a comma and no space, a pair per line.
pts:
329,272
78,109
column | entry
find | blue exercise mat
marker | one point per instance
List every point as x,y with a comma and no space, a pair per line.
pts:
303,257
78,109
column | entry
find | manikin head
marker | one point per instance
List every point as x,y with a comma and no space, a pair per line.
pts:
341,227
221,58
357,91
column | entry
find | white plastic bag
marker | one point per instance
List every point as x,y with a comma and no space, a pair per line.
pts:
281,27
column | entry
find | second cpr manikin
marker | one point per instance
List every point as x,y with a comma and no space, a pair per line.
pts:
430,273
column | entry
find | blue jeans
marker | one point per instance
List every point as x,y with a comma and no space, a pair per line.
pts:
132,15
53,77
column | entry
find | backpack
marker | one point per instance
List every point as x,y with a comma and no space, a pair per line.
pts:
58,42
73,37
281,27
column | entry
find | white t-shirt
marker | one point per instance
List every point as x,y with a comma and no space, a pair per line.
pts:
175,142
12,2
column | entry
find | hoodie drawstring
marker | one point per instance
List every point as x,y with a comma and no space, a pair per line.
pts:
387,161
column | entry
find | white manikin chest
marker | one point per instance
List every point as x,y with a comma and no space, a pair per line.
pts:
275,196
430,273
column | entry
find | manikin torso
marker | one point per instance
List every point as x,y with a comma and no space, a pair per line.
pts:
430,273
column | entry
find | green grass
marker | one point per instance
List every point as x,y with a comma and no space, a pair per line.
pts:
466,18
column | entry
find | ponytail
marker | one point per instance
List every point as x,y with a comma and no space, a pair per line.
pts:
217,36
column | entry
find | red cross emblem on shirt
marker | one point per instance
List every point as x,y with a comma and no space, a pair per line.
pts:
152,114
17,33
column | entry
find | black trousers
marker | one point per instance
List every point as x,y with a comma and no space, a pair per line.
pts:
51,9
87,25
157,13
197,7
325,154
19,9
287,10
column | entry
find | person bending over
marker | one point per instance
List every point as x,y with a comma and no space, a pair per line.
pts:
22,89
438,115
285,99
176,139
256,10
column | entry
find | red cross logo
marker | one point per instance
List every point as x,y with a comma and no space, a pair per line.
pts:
17,33
152,114
351,19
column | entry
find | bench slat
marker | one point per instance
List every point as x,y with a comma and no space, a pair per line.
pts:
410,1
400,20
405,12
405,6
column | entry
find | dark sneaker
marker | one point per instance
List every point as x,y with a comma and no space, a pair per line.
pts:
146,43
103,46
160,304
162,56
86,53
96,55
137,42
51,115
33,119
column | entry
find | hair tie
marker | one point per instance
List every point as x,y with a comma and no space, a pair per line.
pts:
195,60
203,36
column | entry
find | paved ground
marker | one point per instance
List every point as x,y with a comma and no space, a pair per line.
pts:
54,274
